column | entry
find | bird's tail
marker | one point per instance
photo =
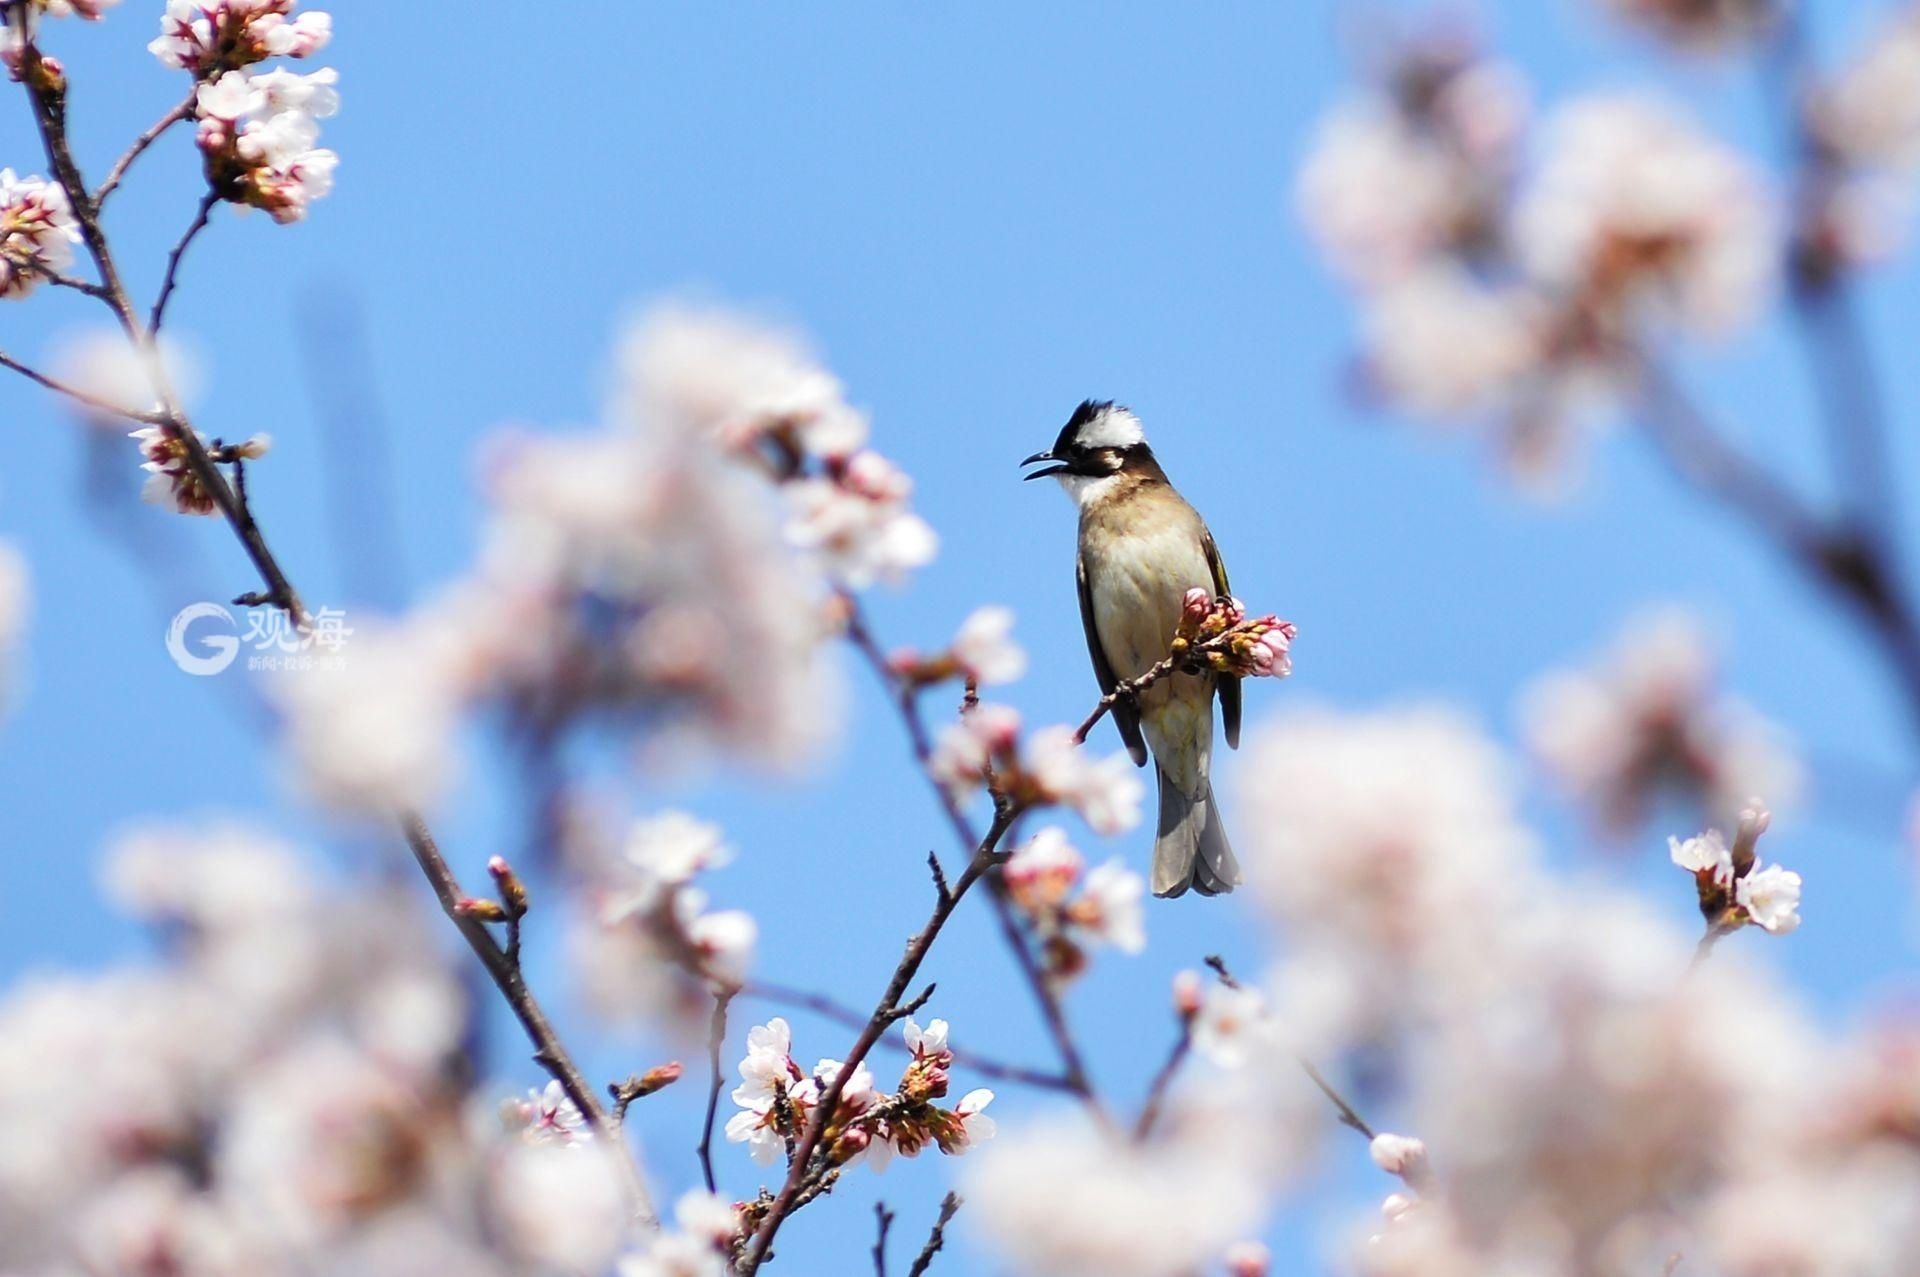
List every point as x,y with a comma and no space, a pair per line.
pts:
1191,848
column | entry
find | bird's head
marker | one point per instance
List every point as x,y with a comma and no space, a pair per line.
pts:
1097,443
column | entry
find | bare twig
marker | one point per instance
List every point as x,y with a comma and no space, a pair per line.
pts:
1163,1080
58,280
842,1014
549,1053
716,1039
949,1207
883,1221
1126,691
172,277
80,396
118,172
1349,1116
888,1012
1052,1014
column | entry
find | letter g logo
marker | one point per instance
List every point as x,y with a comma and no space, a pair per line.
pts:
218,649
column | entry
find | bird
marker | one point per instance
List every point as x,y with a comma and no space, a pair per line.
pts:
1141,548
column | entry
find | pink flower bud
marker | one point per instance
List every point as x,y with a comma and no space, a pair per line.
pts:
1197,604
659,1076
1232,611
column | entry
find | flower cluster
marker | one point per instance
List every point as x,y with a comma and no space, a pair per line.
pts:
37,232
1734,889
760,394
1522,302
651,942
1041,879
982,652
278,1088
211,37
984,749
777,1100
633,577
258,133
171,481
1865,126
1649,718
1216,634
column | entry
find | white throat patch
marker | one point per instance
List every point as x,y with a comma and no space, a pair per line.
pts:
1088,489
1113,428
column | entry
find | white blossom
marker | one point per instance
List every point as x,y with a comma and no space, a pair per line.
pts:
1111,908
37,232
1106,791
984,648
1233,1026
1073,1203
1771,897
1636,213
1704,853
1648,716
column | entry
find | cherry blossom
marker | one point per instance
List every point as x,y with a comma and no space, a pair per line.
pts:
1771,898
1233,1025
1649,718
37,232
258,134
208,37
984,648
1635,213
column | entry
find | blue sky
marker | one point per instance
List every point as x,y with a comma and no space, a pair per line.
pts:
984,213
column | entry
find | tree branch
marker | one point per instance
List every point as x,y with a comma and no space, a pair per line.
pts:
80,396
883,1219
508,978
716,1039
949,1207
46,93
118,172
172,277
844,1015
888,1012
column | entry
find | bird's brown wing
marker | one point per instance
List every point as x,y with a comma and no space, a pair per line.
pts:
1125,716
1227,685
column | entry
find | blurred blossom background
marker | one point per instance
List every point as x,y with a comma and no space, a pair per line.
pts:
1388,287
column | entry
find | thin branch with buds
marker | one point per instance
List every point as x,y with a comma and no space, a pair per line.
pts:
883,1220
844,1015
509,979
716,1039
1163,1081
907,702
80,396
115,175
949,1207
46,93
172,277
802,1173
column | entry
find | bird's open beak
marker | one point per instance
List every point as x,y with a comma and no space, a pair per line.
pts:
1044,471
